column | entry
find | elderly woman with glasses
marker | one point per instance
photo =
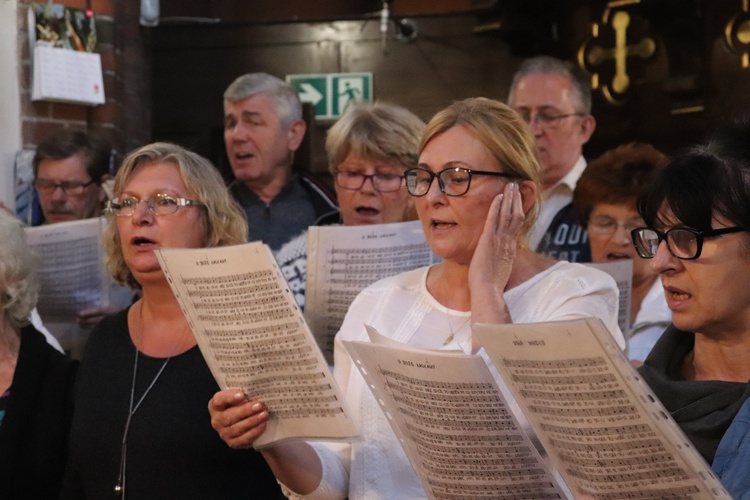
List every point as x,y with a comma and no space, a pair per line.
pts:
140,428
368,149
696,215
476,191
604,198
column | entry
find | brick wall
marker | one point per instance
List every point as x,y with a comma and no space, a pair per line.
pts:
125,117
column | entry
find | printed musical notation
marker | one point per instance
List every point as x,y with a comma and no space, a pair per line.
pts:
343,260
602,426
455,426
71,270
254,337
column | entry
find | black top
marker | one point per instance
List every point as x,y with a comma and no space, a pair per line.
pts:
34,431
172,450
702,408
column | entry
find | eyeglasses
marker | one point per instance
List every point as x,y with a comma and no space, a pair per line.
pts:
161,205
546,119
454,181
350,179
682,242
607,226
71,188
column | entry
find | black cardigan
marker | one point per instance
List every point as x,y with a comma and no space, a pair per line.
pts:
34,432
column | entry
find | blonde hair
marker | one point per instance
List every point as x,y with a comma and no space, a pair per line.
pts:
502,131
19,285
222,218
379,131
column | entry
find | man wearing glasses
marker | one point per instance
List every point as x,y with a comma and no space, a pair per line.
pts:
555,100
69,169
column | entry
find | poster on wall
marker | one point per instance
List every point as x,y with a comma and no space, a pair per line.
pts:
63,27
65,66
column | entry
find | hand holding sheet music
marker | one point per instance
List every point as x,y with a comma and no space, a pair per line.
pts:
253,336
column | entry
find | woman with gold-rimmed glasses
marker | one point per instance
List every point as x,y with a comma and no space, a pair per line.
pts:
695,217
476,191
140,428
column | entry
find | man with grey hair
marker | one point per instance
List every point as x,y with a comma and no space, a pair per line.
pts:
554,98
263,127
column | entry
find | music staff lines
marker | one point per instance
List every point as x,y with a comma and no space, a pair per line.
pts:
613,449
555,364
578,396
252,331
670,493
230,278
674,473
602,411
249,317
488,439
614,431
602,378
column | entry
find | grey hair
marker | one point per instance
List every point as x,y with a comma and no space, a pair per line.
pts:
19,285
548,65
286,101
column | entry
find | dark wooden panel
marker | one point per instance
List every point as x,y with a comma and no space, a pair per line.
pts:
275,11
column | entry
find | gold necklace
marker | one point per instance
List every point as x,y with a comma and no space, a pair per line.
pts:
453,332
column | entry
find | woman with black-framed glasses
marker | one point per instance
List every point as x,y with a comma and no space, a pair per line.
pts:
695,215
476,190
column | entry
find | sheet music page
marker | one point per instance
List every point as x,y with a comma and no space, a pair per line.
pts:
343,260
254,337
622,272
453,423
72,273
603,428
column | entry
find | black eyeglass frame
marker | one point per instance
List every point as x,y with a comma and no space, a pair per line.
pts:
50,186
441,184
663,236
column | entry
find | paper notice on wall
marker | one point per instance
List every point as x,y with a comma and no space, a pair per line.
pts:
67,76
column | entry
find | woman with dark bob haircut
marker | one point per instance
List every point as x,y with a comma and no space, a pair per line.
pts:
696,214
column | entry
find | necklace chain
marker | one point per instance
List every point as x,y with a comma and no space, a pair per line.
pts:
120,485
454,332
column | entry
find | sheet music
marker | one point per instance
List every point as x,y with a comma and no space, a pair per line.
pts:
343,260
72,273
254,337
453,423
603,428
622,272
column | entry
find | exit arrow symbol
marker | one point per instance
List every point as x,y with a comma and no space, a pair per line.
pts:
310,94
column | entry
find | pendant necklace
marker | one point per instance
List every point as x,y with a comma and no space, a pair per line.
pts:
453,332
120,485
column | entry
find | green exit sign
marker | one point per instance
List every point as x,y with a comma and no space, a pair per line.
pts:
331,93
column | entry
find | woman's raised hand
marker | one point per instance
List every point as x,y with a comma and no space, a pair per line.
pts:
494,256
